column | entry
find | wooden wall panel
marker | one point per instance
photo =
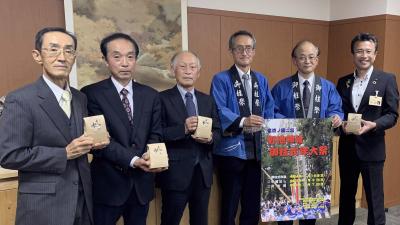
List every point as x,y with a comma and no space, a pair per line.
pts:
204,39
19,23
387,29
275,36
340,35
391,64
318,34
278,60
229,25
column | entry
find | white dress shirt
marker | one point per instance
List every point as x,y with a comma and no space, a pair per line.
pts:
57,90
359,86
128,87
129,96
311,80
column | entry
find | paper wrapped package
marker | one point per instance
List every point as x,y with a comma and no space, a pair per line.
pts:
158,155
204,125
353,124
95,127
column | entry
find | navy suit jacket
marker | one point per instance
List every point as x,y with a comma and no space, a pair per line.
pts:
371,145
113,178
182,148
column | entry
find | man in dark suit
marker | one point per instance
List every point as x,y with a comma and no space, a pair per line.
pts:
373,94
123,184
189,176
42,126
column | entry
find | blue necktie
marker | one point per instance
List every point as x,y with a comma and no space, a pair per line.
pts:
190,107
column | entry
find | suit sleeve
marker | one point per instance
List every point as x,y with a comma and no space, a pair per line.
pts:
390,106
155,135
174,132
16,142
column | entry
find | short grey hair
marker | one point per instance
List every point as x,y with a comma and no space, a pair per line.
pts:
175,56
232,38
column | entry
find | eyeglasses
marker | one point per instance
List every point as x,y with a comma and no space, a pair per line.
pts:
241,48
310,58
54,52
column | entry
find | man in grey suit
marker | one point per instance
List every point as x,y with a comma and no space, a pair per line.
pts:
42,126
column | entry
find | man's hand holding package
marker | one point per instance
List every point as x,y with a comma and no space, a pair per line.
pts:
190,124
79,146
144,164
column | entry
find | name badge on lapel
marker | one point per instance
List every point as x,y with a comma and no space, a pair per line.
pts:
375,100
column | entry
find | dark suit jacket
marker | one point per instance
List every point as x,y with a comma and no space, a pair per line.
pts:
371,145
113,178
182,148
35,132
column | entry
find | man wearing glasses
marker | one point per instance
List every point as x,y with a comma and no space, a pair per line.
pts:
306,95
43,140
243,100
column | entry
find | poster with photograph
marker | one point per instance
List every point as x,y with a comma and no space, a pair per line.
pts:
296,169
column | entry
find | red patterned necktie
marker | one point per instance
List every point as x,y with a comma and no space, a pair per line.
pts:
127,106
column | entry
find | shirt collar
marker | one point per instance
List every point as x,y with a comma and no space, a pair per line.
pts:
119,86
57,91
183,91
369,72
242,72
310,79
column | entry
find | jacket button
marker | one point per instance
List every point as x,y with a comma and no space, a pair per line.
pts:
133,145
75,182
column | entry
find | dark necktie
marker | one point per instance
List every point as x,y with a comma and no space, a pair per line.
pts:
247,89
306,97
190,107
127,106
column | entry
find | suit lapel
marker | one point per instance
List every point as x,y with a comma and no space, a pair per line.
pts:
111,95
77,111
49,104
138,101
348,88
369,91
201,104
177,101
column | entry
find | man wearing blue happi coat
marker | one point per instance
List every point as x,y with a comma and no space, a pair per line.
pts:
243,100
306,95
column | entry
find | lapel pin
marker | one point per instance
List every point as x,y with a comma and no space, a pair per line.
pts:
348,83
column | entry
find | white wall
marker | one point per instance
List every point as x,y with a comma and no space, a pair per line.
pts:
393,7
308,9
345,9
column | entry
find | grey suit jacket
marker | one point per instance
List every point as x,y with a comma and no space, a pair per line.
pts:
35,132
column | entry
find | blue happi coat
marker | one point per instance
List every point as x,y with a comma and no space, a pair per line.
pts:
331,103
228,109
